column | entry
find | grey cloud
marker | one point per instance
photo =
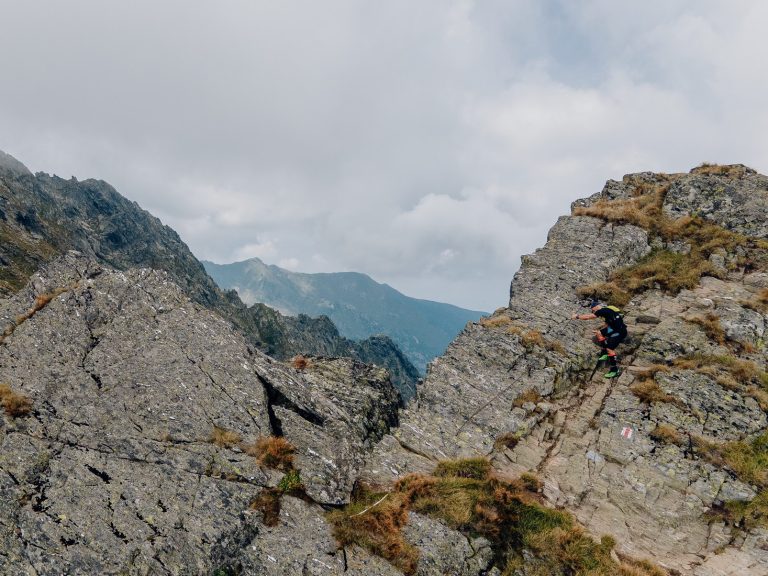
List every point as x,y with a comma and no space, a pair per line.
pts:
427,144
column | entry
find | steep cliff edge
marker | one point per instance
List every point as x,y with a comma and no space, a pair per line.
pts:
670,458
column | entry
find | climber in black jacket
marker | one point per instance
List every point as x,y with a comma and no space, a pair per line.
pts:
613,333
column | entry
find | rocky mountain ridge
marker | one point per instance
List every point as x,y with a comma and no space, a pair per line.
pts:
654,457
357,305
132,388
43,216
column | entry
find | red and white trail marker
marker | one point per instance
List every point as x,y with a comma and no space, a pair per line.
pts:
626,432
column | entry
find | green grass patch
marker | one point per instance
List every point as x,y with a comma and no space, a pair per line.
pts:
466,496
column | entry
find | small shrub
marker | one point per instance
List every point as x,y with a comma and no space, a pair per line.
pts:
509,439
747,514
290,482
300,362
224,438
15,404
273,452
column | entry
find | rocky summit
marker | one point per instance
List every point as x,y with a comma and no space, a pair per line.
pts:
142,434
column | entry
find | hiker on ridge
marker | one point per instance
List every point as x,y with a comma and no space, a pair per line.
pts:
613,333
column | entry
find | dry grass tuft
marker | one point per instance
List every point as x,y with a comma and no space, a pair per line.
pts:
648,391
730,170
268,503
41,301
668,270
758,303
605,292
15,404
273,452
744,372
301,362
376,525
476,468
668,434
527,395
496,321
712,327
748,460
224,438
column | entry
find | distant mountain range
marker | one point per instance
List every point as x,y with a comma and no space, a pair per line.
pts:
42,217
358,305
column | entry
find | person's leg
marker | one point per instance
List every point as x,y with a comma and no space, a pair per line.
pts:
613,359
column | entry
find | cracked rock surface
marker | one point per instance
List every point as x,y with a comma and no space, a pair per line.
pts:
114,471
591,440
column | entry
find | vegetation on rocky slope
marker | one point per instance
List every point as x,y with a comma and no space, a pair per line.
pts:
467,496
694,239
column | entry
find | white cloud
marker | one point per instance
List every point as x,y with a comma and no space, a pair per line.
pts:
262,251
427,144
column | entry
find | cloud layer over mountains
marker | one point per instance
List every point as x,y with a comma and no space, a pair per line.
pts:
428,145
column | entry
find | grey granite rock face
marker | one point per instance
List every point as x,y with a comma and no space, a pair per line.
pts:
115,470
591,441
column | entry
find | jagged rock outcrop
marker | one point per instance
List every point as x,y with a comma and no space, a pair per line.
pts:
116,469
629,457
43,216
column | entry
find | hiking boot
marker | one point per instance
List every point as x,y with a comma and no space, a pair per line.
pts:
603,358
614,373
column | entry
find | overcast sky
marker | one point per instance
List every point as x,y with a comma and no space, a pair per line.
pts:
427,143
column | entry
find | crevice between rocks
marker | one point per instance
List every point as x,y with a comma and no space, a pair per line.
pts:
277,398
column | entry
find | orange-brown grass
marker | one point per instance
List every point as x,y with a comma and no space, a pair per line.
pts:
648,391
730,170
609,292
744,372
467,497
41,301
668,434
301,362
273,452
671,271
527,395
711,326
15,404
634,567
376,525
644,210
496,321
268,503
224,438
532,338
